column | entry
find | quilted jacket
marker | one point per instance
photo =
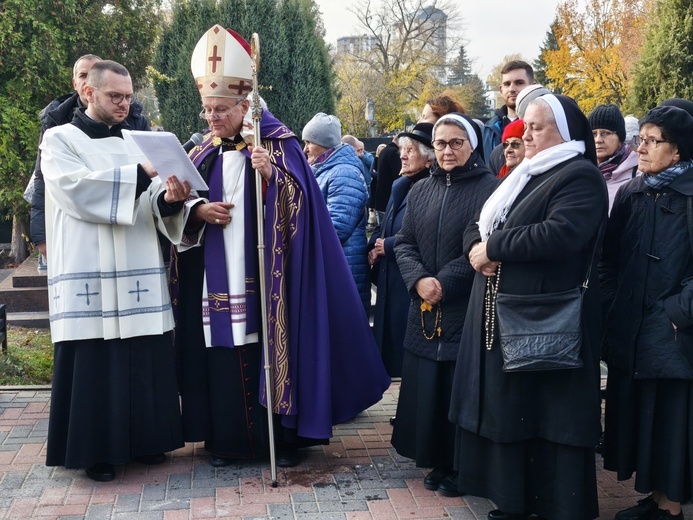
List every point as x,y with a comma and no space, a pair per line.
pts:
430,244
647,281
343,187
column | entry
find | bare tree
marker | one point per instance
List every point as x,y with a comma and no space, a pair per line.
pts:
406,45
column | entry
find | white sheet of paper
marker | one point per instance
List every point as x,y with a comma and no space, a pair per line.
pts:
167,156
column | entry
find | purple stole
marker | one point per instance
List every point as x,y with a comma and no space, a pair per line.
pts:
220,306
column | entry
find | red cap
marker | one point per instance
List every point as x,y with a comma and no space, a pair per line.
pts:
514,129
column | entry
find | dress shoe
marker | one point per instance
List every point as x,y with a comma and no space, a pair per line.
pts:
435,477
643,511
392,420
497,514
101,472
663,514
152,460
219,462
448,486
288,458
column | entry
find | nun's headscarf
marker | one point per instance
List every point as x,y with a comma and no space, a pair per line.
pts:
577,134
465,123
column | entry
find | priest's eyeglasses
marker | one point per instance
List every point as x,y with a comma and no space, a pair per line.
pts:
117,99
455,144
649,142
215,114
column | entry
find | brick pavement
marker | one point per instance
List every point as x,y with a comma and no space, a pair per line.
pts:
357,477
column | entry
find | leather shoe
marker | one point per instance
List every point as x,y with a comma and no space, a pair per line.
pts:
435,477
662,514
448,486
219,462
645,510
288,458
101,472
152,460
497,514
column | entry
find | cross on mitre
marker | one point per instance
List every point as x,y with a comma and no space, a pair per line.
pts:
221,64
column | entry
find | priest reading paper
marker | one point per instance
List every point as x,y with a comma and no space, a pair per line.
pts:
325,367
114,396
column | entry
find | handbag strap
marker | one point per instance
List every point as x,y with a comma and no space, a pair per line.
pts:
600,235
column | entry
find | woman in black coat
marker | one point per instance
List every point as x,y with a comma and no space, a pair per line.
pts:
438,278
392,303
526,439
647,272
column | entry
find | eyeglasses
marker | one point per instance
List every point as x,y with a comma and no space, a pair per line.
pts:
649,142
117,99
217,114
512,144
604,134
455,144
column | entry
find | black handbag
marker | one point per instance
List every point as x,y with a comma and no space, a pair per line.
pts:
540,331
537,331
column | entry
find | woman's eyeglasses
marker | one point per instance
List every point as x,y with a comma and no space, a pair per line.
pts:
455,144
512,144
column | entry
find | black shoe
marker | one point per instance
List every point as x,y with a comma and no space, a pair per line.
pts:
497,514
219,462
288,458
448,486
435,477
392,420
662,514
645,510
152,460
101,472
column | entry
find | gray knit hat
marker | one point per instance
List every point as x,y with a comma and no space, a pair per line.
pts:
323,130
608,117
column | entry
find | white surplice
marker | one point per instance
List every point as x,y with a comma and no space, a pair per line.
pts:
106,276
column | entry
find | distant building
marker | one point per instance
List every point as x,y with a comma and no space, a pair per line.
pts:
356,45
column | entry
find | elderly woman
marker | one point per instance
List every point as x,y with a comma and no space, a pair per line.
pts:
438,277
392,304
342,180
617,162
513,146
647,268
526,438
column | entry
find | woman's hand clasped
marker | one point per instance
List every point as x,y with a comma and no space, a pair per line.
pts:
480,261
429,290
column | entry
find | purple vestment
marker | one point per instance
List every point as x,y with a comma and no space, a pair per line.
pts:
325,365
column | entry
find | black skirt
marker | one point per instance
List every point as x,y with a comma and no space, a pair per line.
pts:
649,431
422,430
112,401
531,477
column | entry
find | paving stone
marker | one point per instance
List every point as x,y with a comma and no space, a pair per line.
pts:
127,503
324,516
153,492
364,494
180,481
281,512
149,515
181,494
12,480
346,505
303,497
166,505
383,484
305,508
460,513
325,492
99,512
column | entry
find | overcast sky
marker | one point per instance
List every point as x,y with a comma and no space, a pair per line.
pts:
492,28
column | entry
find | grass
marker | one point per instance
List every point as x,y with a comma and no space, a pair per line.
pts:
29,357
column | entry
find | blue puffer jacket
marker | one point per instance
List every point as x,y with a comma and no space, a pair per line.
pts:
342,185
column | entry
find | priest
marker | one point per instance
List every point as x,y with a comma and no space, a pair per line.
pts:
114,395
325,367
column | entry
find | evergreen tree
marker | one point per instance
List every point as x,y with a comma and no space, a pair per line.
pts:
295,77
39,43
473,97
460,69
539,64
665,66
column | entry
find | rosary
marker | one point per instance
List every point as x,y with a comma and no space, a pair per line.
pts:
437,329
490,307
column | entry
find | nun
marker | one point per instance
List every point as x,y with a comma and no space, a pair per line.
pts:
525,440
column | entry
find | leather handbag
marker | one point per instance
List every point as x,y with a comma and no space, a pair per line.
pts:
540,331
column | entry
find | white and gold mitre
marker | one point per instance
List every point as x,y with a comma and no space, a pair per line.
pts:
221,64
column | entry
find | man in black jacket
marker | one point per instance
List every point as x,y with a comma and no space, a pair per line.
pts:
59,112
